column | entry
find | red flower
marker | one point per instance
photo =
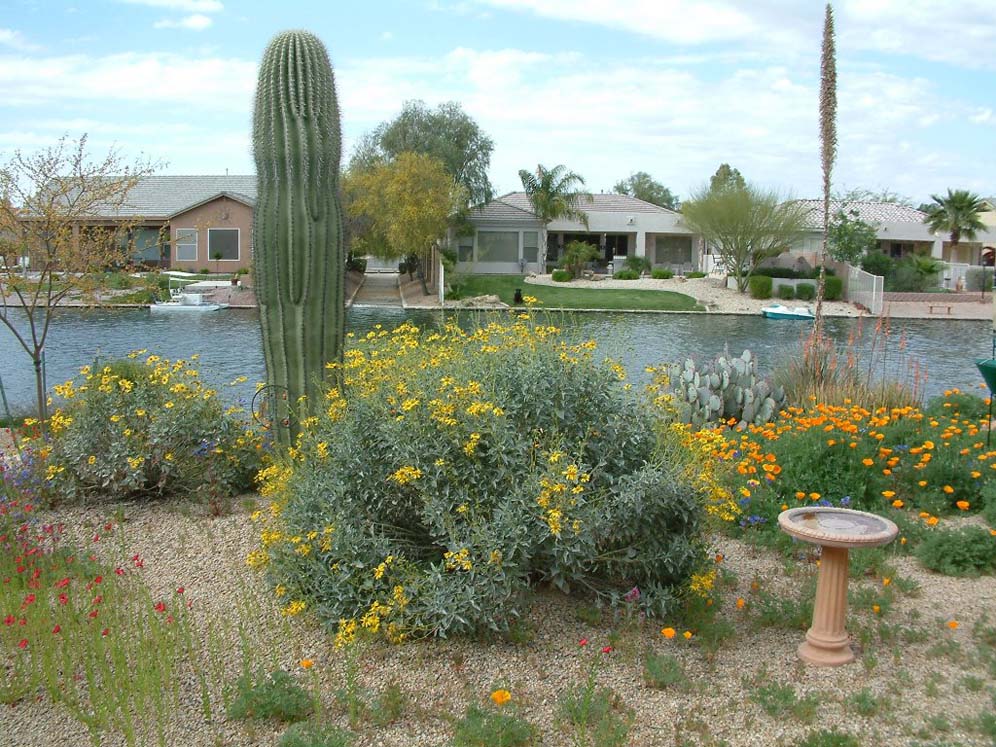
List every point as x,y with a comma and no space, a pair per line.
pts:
583,642
29,599
63,599
63,583
607,650
108,526
119,571
98,599
56,629
180,590
96,538
9,620
169,619
93,614
98,580
105,631
23,643
159,607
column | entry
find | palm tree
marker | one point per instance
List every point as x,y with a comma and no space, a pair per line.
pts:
957,215
554,193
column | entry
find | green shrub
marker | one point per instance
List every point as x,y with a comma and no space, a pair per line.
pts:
979,279
957,404
639,265
661,671
833,289
561,276
627,275
276,696
476,452
695,274
660,273
905,279
777,272
786,292
877,263
131,429
577,255
805,292
988,497
314,735
759,286
359,264
829,738
491,728
969,551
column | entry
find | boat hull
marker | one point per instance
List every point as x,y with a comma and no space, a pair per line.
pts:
170,308
784,312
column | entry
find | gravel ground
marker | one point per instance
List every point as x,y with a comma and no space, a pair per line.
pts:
440,678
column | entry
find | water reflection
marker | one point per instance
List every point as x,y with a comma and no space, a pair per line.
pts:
229,343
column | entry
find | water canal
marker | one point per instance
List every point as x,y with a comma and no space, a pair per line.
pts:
228,342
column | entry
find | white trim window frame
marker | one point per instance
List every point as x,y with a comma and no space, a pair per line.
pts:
238,245
186,238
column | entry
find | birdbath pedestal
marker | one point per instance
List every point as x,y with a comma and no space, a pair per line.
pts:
835,530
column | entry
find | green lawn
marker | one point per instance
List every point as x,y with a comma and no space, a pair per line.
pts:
568,297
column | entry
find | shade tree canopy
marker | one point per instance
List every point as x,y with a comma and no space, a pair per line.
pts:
644,187
744,225
447,133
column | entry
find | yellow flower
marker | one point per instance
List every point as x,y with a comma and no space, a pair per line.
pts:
668,633
948,489
953,624
294,608
405,475
963,505
687,634
501,697
307,663
888,493
91,459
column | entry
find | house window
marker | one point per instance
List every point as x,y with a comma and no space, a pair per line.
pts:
530,246
498,246
673,250
223,243
465,249
186,245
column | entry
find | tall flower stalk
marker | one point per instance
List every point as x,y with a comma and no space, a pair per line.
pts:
828,150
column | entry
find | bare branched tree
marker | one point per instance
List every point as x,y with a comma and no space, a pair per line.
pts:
58,229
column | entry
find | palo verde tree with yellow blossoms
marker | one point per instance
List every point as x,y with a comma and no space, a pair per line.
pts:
453,471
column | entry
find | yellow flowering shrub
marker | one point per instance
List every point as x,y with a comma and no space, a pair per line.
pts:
451,470
136,427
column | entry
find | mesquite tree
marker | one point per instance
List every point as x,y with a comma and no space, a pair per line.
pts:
299,260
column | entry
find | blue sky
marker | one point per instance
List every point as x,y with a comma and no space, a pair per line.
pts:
671,87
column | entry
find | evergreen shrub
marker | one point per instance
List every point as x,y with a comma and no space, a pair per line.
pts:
453,471
759,286
659,273
786,292
805,292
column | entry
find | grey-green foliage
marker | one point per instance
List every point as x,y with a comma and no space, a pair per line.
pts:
298,249
725,388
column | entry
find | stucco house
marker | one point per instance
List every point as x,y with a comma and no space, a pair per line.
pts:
185,222
900,229
506,235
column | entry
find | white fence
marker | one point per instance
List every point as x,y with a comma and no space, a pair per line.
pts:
865,289
953,276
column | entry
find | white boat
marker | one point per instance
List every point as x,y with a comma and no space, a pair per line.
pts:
778,311
179,300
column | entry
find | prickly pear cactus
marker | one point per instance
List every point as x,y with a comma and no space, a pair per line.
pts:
298,259
723,389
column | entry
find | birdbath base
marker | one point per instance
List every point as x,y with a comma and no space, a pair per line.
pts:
835,530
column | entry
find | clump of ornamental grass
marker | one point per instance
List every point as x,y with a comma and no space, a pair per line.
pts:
968,551
451,472
130,429
307,734
494,725
277,695
877,371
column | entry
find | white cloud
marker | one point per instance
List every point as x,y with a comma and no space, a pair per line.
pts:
983,116
211,82
16,40
386,36
182,6
196,22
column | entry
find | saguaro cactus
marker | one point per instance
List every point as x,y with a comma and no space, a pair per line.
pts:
298,250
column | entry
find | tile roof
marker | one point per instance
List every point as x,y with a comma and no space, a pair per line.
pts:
870,212
500,211
162,196
601,203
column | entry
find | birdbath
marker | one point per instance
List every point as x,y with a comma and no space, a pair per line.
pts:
835,530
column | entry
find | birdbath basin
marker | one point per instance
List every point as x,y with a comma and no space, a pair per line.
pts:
836,530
